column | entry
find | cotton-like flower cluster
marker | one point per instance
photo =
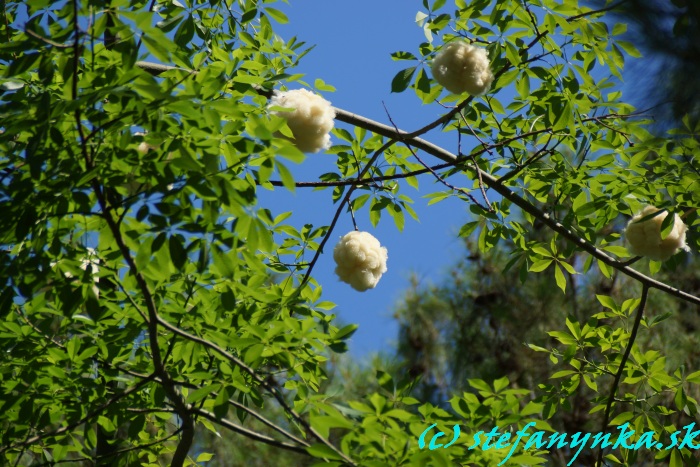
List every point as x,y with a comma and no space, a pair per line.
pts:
134,187
311,121
645,239
143,146
360,260
460,67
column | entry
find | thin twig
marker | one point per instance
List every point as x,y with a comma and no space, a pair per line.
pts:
435,174
265,384
183,446
621,369
533,19
90,415
371,181
150,9
116,453
249,433
47,41
595,12
539,154
516,199
618,131
237,405
476,165
345,200
352,216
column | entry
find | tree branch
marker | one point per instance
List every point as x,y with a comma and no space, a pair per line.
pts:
117,452
183,410
621,369
254,435
90,415
260,381
435,174
338,211
595,12
516,199
156,68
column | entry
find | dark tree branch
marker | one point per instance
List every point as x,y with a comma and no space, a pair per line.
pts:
46,40
264,383
92,414
522,203
621,369
435,174
490,181
117,452
254,435
595,12
345,200
183,446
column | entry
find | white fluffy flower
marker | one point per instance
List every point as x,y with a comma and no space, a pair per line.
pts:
461,67
311,121
360,260
645,239
144,147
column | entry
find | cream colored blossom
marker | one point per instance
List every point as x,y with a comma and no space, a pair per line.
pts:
461,67
360,260
311,121
144,147
644,238
134,187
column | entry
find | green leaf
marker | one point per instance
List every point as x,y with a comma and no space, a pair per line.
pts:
437,5
402,79
156,48
200,393
248,79
617,250
605,269
323,451
621,418
177,252
249,15
607,302
322,86
185,32
205,457
277,15
654,266
397,214
629,48
403,56
540,265
542,251
286,176
559,277
346,332
569,268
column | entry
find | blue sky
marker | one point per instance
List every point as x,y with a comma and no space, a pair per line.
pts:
354,41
